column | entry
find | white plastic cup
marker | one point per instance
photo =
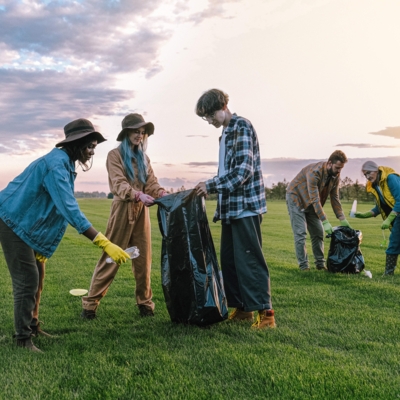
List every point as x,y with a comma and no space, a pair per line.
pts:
353,209
132,251
368,273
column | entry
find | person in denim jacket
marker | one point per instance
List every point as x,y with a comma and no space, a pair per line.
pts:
35,209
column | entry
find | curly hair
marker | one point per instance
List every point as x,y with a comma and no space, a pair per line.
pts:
210,102
336,156
76,148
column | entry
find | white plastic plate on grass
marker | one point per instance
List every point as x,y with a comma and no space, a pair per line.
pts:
78,292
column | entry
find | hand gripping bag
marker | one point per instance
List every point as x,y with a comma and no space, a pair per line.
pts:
191,279
344,252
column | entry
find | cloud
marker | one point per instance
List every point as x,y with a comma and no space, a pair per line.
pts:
61,60
35,105
114,36
214,9
365,145
390,131
203,136
175,182
202,164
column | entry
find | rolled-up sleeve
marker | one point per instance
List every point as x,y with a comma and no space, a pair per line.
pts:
313,179
244,164
57,184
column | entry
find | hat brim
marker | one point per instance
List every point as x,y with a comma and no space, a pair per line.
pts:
149,129
99,137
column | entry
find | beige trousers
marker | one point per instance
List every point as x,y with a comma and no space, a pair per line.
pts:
125,233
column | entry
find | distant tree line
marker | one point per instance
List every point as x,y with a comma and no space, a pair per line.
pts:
80,195
348,190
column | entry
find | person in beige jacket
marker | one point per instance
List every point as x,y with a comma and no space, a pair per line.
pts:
134,186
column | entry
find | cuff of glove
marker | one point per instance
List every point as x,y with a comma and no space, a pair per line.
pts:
100,240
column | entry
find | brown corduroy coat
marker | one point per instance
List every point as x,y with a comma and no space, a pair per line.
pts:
124,193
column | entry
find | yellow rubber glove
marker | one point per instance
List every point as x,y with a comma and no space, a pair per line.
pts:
114,251
344,222
388,221
41,258
327,227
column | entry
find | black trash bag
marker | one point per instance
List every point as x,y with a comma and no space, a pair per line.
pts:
344,253
191,279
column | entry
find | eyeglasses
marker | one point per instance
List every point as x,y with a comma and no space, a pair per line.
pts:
208,117
368,173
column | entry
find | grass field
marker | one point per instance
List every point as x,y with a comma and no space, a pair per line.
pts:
337,335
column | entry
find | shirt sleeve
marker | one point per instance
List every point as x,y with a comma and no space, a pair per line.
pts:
243,163
335,200
57,184
394,186
376,211
313,178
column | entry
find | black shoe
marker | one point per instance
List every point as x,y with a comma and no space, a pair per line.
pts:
145,311
88,314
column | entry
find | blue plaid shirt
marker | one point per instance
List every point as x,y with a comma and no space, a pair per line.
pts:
242,186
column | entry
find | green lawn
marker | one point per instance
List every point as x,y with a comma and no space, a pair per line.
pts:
337,335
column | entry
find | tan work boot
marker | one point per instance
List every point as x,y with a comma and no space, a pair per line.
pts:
265,319
27,343
240,315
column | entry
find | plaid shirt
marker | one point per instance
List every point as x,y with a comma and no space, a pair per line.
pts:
306,188
242,186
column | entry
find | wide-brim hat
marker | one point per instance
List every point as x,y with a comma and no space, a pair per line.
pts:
134,121
78,129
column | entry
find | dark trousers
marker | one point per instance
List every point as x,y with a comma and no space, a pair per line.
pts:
24,271
394,239
244,269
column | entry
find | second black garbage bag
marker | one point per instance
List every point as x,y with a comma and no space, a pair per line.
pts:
344,252
191,280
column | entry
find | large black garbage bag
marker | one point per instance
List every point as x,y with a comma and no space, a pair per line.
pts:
344,253
191,280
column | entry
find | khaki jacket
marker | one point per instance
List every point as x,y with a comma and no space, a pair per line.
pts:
124,192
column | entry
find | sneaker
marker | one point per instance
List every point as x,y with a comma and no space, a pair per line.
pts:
145,311
265,319
321,268
305,269
88,314
37,330
27,343
240,315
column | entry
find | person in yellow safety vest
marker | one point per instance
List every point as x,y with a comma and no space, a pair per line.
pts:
384,184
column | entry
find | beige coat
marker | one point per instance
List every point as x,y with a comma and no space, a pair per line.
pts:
128,225
124,193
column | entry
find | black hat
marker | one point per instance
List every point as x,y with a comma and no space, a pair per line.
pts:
78,129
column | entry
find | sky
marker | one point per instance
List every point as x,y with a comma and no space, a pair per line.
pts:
313,76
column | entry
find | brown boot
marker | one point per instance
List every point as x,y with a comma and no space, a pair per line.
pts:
27,343
265,319
391,262
240,315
